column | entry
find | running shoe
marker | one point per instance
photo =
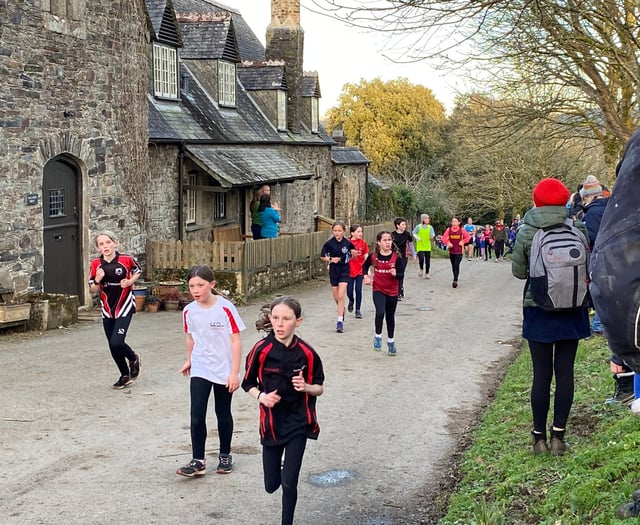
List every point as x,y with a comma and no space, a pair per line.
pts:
340,327
391,349
225,464
134,366
121,383
377,344
358,314
194,468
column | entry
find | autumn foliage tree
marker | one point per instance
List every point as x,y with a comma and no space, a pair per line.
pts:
390,122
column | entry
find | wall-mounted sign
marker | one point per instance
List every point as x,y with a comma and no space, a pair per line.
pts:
32,199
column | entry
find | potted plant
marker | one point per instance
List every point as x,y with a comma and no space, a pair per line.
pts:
171,300
153,303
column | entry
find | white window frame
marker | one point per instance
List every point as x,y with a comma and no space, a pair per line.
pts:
165,71
190,199
226,83
220,205
315,114
282,109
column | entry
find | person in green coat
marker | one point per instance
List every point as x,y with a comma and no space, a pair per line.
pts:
552,335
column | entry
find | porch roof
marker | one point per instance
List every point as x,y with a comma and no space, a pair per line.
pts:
236,166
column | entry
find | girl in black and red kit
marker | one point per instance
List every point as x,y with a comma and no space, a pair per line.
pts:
113,274
384,260
285,375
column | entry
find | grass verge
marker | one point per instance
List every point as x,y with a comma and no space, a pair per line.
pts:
502,483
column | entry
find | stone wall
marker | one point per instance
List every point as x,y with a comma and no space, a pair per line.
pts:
76,87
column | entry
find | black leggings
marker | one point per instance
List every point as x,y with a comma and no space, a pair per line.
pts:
548,360
456,259
116,331
499,246
401,265
385,308
200,390
424,261
286,474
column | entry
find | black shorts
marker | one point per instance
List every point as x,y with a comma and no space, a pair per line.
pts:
338,273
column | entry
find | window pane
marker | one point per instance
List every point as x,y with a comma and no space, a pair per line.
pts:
165,78
56,203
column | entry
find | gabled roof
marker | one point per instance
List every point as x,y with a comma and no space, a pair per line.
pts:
163,22
262,75
211,37
347,155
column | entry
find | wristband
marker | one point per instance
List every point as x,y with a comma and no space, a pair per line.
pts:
258,398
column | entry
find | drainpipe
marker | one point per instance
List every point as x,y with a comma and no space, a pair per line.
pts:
181,192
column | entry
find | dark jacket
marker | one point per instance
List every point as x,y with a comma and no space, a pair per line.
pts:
593,217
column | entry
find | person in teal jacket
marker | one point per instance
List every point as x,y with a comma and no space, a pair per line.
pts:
552,335
269,216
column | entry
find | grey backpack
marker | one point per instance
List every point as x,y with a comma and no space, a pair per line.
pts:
558,267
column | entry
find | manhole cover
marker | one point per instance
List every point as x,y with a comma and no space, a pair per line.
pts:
331,478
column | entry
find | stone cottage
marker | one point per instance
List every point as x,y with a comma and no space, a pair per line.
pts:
155,119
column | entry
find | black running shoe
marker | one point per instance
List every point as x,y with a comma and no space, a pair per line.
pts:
225,464
124,381
194,468
134,366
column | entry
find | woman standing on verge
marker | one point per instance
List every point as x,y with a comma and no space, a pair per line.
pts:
214,353
355,269
552,335
113,274
285,375
455,239
383,260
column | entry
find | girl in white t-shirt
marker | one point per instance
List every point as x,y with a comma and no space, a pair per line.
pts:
213,327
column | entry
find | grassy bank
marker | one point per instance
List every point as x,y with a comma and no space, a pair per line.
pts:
502,483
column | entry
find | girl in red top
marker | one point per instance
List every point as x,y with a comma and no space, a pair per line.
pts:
455,238
385,288
113,274
355,269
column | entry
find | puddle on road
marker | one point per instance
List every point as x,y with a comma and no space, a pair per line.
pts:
331,478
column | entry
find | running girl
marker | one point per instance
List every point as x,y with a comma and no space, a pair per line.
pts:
336,252
113,274
214,352
355,269
383,260
455,238
285,375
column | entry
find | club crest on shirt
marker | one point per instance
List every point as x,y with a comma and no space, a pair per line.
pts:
216,324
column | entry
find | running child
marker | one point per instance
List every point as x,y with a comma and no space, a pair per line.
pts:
383,260
468,246
285,375
113,274
404,243
355,269
214,352
336,252
455,238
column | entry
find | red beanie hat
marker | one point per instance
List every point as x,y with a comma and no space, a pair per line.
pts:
550,192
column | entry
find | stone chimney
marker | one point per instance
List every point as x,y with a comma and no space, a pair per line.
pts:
285,41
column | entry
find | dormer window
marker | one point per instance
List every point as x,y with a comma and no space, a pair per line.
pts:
165,71
282,110
226,83
315,114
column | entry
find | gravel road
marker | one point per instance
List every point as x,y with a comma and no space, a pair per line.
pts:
76,452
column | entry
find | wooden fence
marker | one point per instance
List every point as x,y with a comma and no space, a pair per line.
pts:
245,257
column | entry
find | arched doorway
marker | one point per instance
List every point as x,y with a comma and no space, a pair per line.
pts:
61,227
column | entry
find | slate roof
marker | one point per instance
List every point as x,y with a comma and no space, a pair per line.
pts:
247,165
310,85
347,155
260,75
163,22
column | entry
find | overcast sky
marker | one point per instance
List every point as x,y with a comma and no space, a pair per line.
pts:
341,54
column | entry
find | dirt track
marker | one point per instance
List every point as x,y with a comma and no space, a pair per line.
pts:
76,452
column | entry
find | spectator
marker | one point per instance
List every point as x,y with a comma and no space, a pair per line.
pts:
269,216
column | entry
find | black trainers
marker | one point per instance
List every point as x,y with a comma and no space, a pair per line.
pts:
358,314
225,464
350,307
122,382
194,468
134,366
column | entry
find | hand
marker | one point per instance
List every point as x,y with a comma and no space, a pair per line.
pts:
298,382
233,383
449,245
99,275
186,369
367,280
616,369
270,399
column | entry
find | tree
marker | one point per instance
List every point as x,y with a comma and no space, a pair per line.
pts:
571,62
389,121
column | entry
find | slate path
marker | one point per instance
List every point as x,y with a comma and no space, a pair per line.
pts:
76,452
